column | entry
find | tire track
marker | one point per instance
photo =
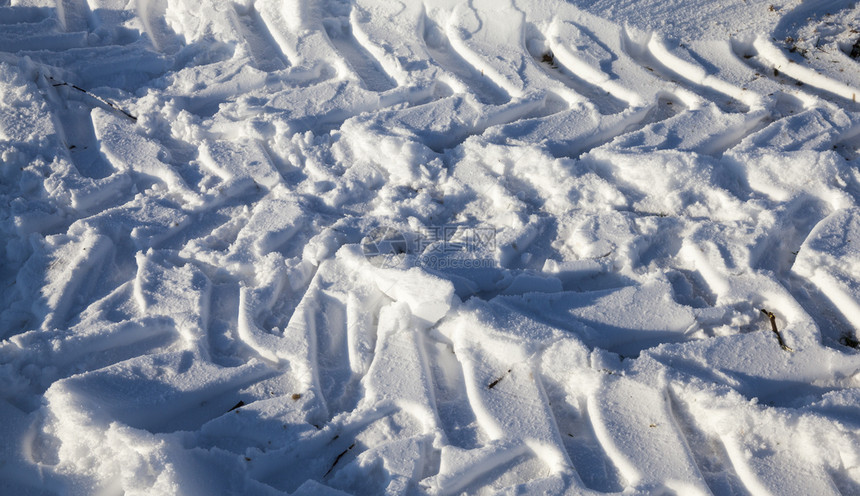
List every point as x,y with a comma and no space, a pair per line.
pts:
334,333
466,31
605,102
35,28
698,75
339,366
798,219
264,50
606,93
836,329
636,443
391,32
771,470
79,352
143,158
78,133
493,108
152,15
635,52
636,46
480,39
10,16
494,381
773,56
448,122
596,469
571,133
296,28
653,56
363,63
832,233
752,123
456,417
708,452
332,364
75,267
329,60
471,80
575,132
566,390
796,80
74,15
566,132
284,22
770,99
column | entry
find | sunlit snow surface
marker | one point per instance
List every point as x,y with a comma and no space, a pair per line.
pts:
439,247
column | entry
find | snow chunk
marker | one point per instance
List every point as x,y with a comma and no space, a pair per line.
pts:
429,297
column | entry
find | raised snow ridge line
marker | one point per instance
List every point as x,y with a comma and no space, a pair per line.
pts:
780,62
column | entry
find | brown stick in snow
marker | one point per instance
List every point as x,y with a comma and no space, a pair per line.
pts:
772,318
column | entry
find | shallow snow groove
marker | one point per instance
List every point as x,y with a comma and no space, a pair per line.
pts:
432,247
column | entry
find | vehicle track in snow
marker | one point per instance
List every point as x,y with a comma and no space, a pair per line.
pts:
196,281
770,60
264,50
370,71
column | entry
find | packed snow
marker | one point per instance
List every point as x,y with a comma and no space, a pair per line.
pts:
437,247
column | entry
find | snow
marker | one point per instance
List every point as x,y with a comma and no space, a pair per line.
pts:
439,247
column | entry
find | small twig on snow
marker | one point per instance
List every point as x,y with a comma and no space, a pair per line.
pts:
493,384
338,459
100,99
772,318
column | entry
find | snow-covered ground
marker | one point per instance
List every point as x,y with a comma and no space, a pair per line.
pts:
438,247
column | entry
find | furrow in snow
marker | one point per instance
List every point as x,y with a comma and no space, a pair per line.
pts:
362,62
828,256
698,75
577,51
73,14
152,15
707,450
635,47
392,33
263,50
470,80
638,443
567,394
770,470
773,57
72,271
